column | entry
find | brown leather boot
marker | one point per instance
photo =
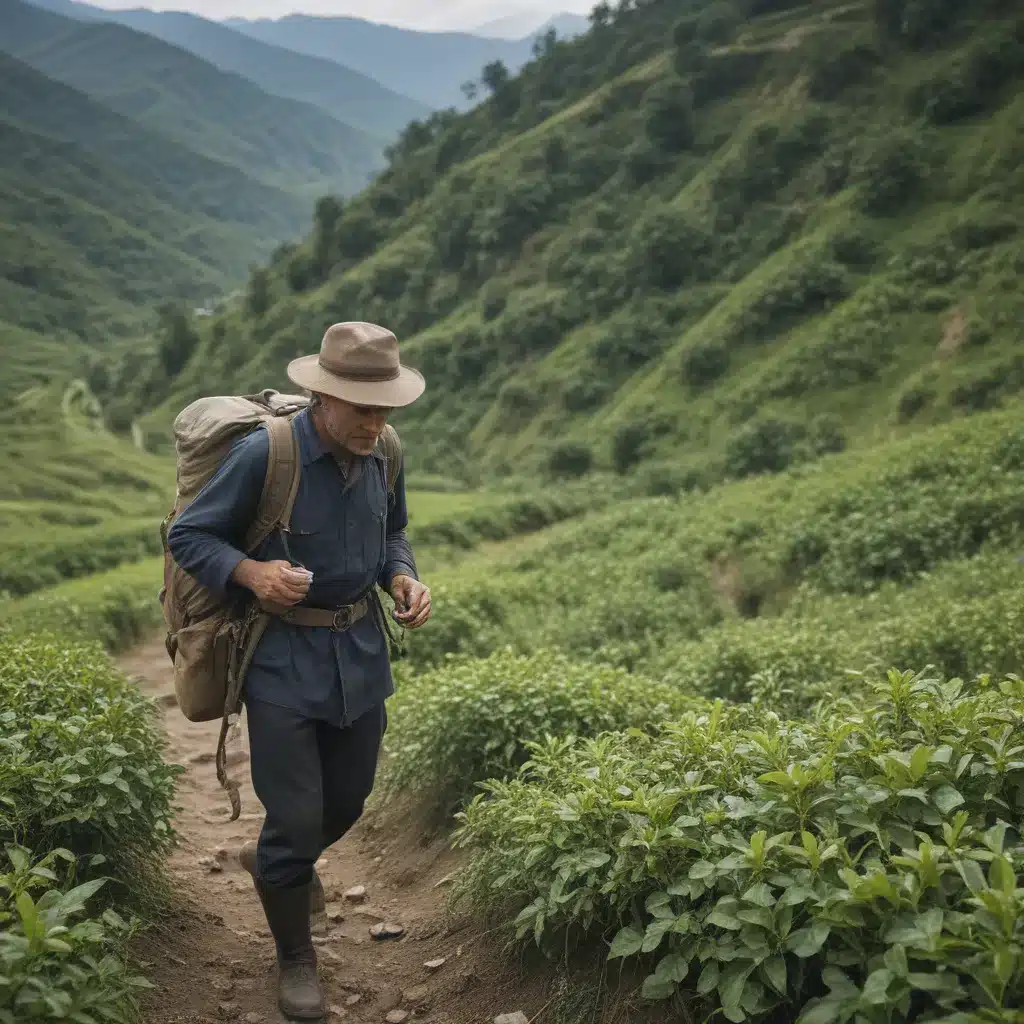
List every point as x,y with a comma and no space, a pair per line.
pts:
299,994
317,899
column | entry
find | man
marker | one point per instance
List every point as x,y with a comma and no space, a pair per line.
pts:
316,687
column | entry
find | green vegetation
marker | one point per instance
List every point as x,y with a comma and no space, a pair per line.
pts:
280,142
85,811
74,499
465,722
791,256
855,865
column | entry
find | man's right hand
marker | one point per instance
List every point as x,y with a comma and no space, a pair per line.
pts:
278,582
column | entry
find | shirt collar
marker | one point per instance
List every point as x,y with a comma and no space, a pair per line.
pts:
311,447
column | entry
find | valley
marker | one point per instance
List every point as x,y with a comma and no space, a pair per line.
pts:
717,485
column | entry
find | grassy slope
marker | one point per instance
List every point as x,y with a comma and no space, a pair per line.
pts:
530,278
282,142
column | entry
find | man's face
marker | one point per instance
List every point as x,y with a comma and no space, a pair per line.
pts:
352,427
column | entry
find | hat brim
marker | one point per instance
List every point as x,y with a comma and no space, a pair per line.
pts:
307,372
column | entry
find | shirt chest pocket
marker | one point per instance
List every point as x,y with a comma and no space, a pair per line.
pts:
337,533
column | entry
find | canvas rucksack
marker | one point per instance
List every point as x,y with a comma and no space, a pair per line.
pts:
211,639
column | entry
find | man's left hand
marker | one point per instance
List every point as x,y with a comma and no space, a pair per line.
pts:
412,601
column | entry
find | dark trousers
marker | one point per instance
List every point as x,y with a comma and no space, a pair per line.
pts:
313,779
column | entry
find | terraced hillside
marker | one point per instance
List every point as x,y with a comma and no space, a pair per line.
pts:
716,241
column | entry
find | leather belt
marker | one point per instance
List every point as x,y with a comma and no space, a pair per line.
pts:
338,619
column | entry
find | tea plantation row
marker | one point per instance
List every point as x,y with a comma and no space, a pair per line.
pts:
85,819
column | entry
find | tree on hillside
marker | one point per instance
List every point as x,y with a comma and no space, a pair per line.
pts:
326,218
601,15
494,76
177,340
258,295
544,45
470,90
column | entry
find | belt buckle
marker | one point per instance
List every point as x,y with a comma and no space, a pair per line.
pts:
342,619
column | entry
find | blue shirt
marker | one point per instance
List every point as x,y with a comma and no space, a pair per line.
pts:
345,531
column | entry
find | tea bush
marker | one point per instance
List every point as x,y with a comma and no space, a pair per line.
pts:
863,864
118,608
56,963
80,754
471,720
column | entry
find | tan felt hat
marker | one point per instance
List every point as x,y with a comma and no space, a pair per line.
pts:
358,363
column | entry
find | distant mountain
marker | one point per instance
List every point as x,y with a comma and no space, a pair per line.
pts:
346,95
281,142
429,66
532,23
100,217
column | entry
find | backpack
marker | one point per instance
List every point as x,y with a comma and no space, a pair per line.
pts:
210,639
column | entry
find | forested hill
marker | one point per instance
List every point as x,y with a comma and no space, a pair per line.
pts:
102,217
706,239
281,142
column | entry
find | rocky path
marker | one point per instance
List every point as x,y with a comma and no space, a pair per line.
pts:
214,960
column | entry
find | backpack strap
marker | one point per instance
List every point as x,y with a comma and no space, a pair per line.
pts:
281,484
389,444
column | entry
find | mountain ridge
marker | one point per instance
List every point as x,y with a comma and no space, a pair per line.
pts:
348,96
431,66
284,143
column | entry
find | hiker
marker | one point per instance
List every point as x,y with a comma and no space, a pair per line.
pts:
316,686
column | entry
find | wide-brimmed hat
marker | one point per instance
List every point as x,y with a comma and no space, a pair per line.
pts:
359,363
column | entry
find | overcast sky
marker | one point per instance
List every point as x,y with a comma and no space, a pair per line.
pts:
425,14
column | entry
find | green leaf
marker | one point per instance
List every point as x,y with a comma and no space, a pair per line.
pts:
760,894
628,942
807,941
657,988
919,761
823,1011
972,875
57,946
947,799
708,980
702,869
1004,961
655,933
734,977
774,970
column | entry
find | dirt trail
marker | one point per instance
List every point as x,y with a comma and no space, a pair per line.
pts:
214,961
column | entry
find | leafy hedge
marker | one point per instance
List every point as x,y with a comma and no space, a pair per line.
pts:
859,866
117,608
83,784
472,719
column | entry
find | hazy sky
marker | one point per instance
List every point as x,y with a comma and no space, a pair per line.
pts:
425,14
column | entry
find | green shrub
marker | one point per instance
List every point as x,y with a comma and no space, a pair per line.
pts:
56,964
80,765
569,459
765,445
669,107
765,869
891,172
705,363
117,608
834,69
471,720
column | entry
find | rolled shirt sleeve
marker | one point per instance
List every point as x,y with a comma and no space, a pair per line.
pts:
208,538
398,556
